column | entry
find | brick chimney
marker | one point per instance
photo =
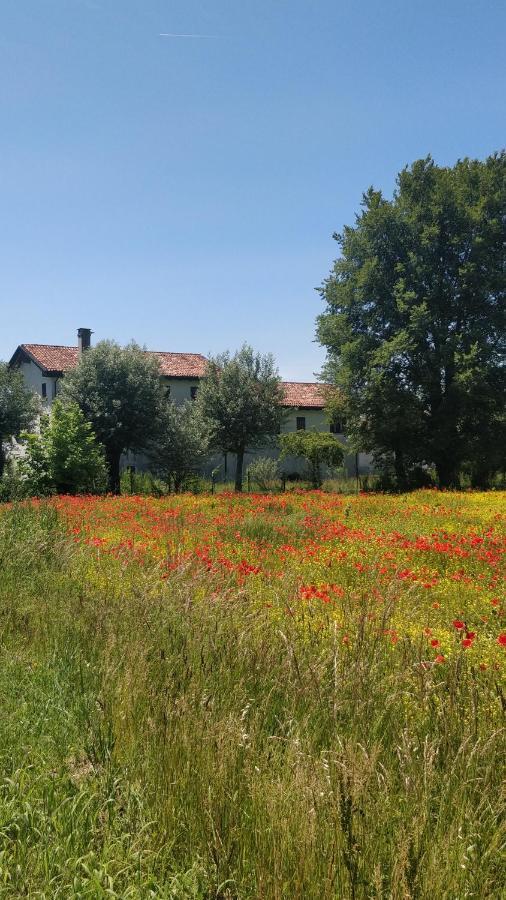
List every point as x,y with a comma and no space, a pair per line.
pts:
83,339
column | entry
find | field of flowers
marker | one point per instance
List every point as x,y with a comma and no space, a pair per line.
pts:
429,564
222,697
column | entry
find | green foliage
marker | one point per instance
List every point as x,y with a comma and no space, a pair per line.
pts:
415,321
119,391
241,397
317,448
12,484
65,457
264,473
18,407
181,443
142,484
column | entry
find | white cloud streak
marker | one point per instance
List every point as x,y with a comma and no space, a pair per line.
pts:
171,34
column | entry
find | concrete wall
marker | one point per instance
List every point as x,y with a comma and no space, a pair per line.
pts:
34,379
180,388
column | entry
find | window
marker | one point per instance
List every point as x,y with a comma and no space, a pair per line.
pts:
55,388
337,426
301,423
44,390
167,391
193,393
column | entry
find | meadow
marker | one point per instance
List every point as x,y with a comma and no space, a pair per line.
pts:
294,695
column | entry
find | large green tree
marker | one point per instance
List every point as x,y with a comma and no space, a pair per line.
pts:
241,397
18,407
414,324
119,391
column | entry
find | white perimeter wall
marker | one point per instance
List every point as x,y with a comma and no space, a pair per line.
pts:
180,390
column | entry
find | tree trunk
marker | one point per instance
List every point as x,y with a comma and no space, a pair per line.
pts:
447,474
113,458
2,458
316,479
238,469
400,470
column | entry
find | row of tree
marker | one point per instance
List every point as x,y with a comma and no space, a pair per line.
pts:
115,402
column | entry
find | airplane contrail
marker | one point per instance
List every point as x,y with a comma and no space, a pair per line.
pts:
171,34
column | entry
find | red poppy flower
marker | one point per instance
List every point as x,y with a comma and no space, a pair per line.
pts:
466,643
501,640
435,643
439,658
458,624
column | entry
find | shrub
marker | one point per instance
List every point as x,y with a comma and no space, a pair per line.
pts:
180,446
65,457
317,448
264,473
12,485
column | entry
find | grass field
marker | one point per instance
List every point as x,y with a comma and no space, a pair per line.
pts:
286,696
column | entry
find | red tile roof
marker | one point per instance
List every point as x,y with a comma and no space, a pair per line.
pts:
52,358
58,359
182,365
305,394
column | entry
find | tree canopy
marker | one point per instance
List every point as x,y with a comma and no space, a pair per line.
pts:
415,317
19,407
181,443
241,397
65,458
119,391
317,448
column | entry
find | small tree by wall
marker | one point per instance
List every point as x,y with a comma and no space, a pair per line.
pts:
241,397
317,448
18,407
65,458
181,443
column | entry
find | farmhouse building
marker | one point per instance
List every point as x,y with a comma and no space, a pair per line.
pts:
45,365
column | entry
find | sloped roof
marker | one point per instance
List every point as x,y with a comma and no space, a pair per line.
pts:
52,357
306,394
181,365
58,359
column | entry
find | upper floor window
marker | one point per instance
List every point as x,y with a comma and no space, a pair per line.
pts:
55,388
44,390
337,426
167,391
193,392
301,423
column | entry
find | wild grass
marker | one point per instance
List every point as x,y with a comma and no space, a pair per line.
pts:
161,740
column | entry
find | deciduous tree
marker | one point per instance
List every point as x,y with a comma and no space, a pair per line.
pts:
119,391
181,443
241,397
414,323
65,458
317,448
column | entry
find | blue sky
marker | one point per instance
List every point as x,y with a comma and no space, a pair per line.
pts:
184,191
